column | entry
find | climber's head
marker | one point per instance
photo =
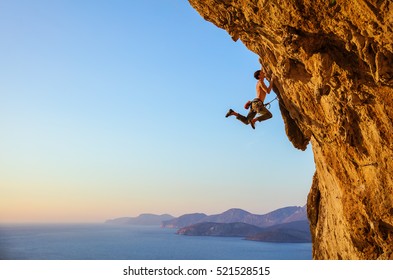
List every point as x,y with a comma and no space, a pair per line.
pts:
258,73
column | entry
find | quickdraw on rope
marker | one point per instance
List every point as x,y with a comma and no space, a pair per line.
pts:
267,105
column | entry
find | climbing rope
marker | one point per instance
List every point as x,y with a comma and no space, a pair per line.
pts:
267,105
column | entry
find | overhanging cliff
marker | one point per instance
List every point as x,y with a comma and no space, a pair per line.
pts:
333,62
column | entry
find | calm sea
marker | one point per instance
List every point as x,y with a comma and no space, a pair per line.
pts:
113,242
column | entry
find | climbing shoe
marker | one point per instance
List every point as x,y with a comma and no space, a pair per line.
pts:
252,123
230,113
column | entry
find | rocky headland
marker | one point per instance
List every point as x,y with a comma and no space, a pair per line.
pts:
220,229
293,232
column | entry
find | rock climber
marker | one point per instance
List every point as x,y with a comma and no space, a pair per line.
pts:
256,106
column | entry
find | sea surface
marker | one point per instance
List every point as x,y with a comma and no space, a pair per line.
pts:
114,242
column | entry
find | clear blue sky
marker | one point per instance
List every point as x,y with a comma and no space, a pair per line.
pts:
115,108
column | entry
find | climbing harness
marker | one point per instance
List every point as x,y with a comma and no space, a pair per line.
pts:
267,105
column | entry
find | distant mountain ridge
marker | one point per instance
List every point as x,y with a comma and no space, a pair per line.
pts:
287,224
184,220
142,219
235,215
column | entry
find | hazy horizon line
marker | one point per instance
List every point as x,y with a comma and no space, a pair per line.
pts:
138,215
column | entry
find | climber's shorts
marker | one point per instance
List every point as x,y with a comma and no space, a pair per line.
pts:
257,106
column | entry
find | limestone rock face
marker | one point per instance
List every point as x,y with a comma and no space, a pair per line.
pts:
333,63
